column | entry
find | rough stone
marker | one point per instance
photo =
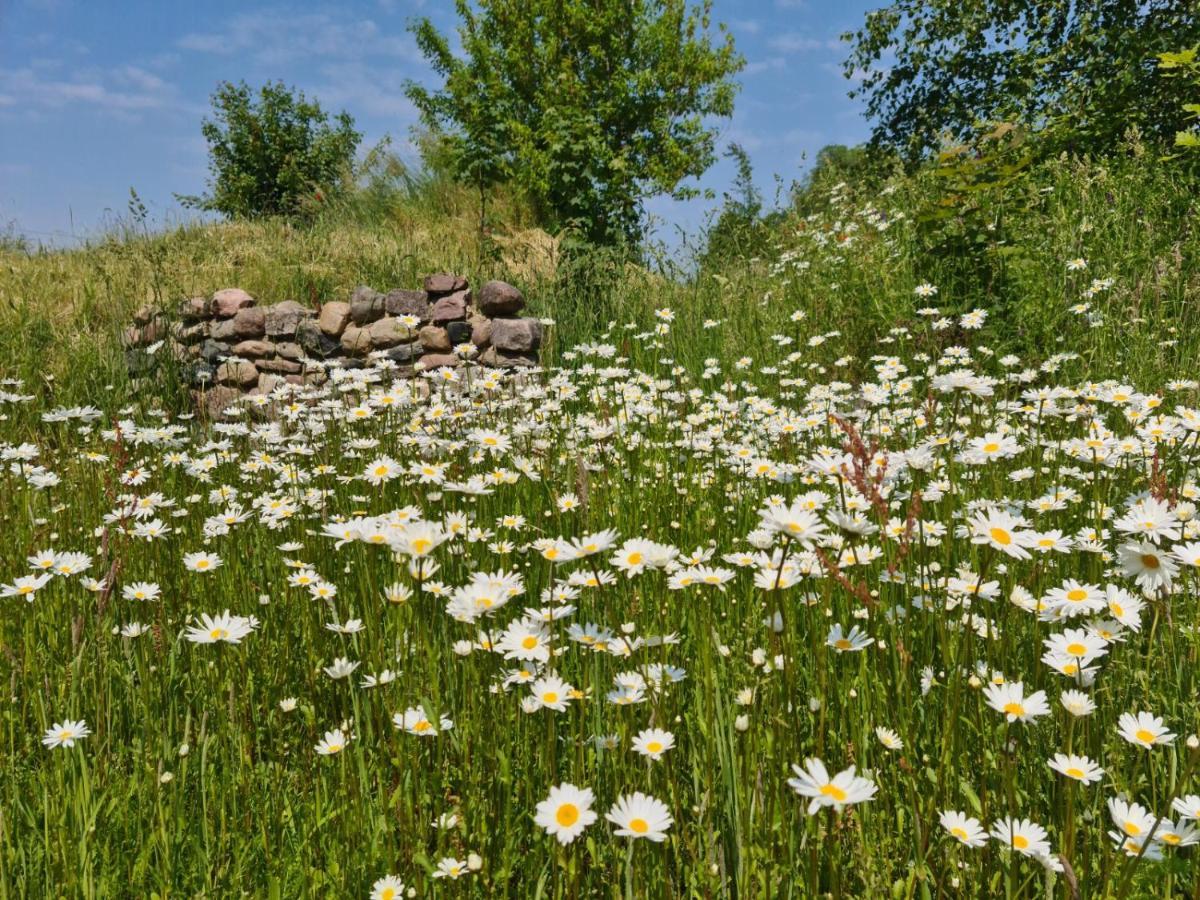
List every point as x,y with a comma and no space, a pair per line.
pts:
254,349
267,383
289,350
516,335
222,330
405,353
193,334
316,377
481,331
237,371
435,339
444,283
194,309
280,366
450,308
226,303
388,332
407,303
499,298
502,359
284,317
214,400
315,341
440,360
459,332
334,316
356,340
213,351
366,305
249,323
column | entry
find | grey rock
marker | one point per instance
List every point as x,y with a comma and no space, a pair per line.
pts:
450,308
516,335
226,303
249,323
283,318
356,340
315,341
405,353
334,316
435,339
499,298
213,351
407,303
459,332
279,366
388,332
254,349
444,283
366,305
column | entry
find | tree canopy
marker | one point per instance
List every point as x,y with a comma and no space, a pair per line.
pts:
590,106
269,153
1082,72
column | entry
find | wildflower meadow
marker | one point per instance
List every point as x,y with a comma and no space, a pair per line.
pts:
919,621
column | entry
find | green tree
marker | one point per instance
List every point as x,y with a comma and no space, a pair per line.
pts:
589,106
1185,65
1081,72
269,154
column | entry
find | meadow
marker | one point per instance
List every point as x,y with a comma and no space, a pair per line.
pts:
865,565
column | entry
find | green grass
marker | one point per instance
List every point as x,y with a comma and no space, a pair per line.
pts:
680,432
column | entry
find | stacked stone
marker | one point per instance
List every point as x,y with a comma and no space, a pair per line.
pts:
228,345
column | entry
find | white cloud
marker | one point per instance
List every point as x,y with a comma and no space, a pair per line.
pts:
770,64
794,42
126,89
273,37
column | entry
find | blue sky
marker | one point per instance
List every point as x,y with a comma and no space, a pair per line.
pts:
98,96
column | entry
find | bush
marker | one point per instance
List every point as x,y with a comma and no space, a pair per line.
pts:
269,155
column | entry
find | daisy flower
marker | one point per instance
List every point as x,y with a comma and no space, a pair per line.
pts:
639,815
653,742
66,733
566,812
840,791
1078,767
1144,729
964,829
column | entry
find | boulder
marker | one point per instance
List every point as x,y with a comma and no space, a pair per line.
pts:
290,350
214,400
450,308
249,323
388,332
315,341
440,360
405,353
222,330
226,303
444,283
279,366
435,340
194,309
366,305
505,360
516,335
499,298
459,332
481,331
407,303
213,351
193,334
283,318
237,372
334,316
356,340
254,349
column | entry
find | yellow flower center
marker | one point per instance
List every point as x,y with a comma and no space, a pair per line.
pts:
422,545
639,826
1150,561
959,833
529,642
1074,772
991,447
567,815
635,559
1132,828
218,634
1076,649
654,746
1020,841
832,790
1014,709
423,725
1146,737
1077,595
842,644
1001,537
550,697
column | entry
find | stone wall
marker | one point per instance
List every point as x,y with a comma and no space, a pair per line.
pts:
228,345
